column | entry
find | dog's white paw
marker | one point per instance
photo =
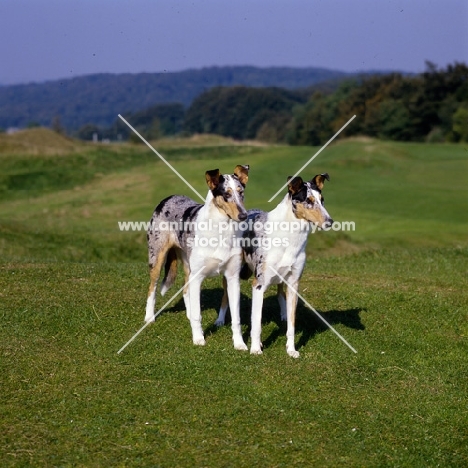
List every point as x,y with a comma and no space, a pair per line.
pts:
149,318
293,353
256,350
240,345
200,341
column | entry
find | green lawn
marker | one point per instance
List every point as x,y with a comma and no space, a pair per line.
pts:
73,289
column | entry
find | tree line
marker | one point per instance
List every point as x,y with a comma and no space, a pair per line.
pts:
432,106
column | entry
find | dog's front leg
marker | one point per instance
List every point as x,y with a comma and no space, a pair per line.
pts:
256,331
291,304
233,289
195,310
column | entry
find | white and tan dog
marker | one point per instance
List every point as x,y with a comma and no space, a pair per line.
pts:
278,256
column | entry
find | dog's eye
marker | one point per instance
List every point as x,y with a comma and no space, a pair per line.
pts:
312,200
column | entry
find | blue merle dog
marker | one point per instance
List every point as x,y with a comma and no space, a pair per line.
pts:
203,238
274,251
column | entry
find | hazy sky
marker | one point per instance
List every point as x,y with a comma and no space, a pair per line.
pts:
49,39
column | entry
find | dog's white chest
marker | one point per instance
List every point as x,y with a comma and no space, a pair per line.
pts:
282,262
215,252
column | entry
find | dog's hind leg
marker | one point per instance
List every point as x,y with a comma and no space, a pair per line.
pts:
186,289
224,306
170,270
155,270
245,274
281,296
291,304
257,305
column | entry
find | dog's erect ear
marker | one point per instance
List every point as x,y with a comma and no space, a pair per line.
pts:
242,173
319,180
212,178
295,185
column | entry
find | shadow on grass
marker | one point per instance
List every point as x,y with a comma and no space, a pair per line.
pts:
308,324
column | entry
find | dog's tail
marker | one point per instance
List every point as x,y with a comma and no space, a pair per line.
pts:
245,272
170,270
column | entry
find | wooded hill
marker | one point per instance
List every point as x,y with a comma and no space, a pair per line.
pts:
98,99
430,107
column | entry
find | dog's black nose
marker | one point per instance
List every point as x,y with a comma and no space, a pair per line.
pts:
242,216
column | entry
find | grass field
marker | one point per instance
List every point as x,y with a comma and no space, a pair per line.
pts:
73,289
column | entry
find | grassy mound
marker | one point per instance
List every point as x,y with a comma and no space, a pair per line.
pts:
39,142
73,289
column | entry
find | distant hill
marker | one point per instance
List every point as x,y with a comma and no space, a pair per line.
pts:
99,98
